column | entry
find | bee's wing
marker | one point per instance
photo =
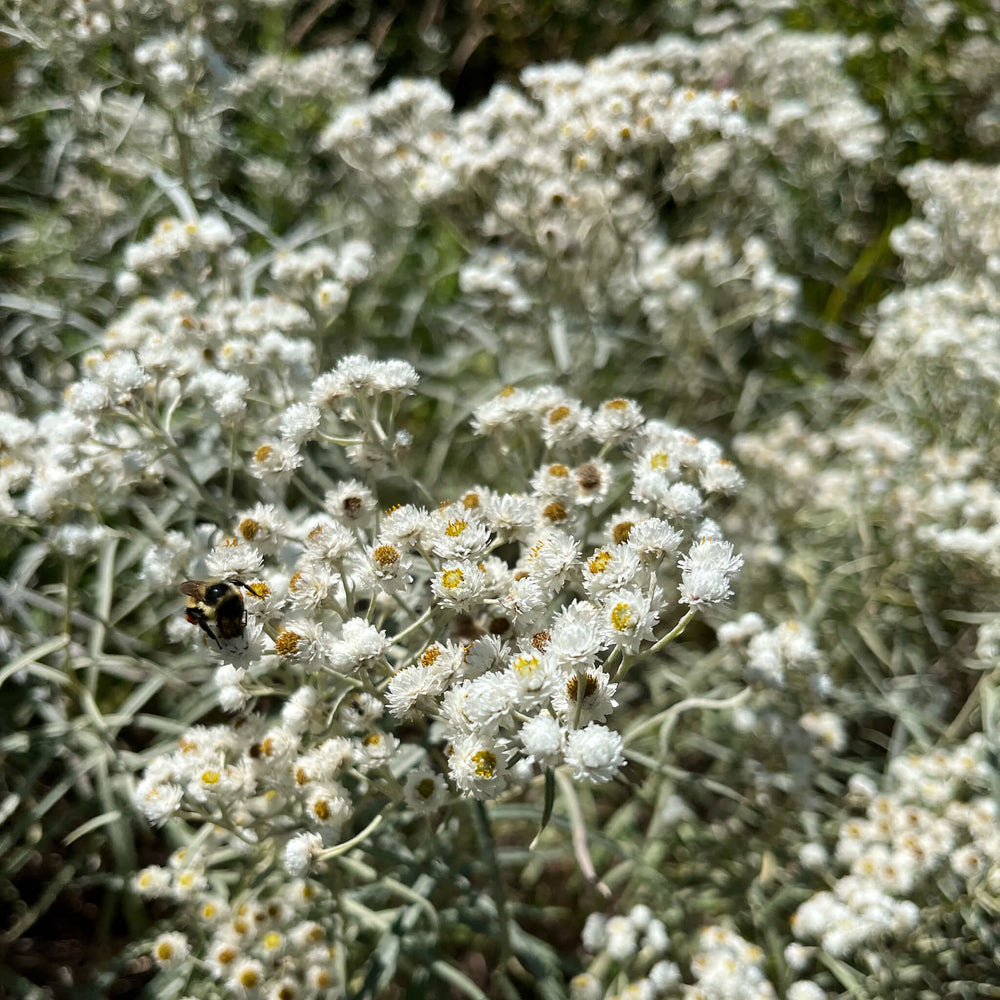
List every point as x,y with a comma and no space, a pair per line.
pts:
192,588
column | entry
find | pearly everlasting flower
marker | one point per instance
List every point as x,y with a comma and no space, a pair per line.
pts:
410,686
478,766
460,585
158,800
425,791
543,740
594,753
299,423
375,749
628,617
706,572
233,694
350,503
551,559
360,711
616,421
170,950
511,516
587,696
275,462
458,537
300,852
575,637
299,708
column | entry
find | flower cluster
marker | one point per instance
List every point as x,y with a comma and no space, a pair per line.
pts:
262,305
936,827
515,658
637,941
275,941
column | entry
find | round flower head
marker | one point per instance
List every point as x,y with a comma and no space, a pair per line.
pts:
376,749
554,482
490,702
706,571
532,679
629,616
300,852
575,637
654,539
351,503
616,422
406,526
424,791
170,950
458,538
478,766
299,423
387,568
593,481
460,585
412,686
360,711
594,753
512,516
591,694
543,740
610,570
524,603
274,462
565,424
551,559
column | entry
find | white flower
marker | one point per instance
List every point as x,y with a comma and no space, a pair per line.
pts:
152,882
351,503
327,805
233,694
543,739
300,851
375,749
575,637
511,516
298,710
458,538
594,753
478,766
490,703
551,559
361,645
411,684
554,482
170,949
611,570
459,585
654,539
425,791
594,935
706,571
589,694
158,800
299,423
616,421
628,617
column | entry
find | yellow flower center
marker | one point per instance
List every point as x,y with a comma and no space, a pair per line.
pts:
600,562
486,764
622,618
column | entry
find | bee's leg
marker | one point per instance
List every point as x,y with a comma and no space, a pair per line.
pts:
203,625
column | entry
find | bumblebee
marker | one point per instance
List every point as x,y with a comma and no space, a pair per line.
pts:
218,603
